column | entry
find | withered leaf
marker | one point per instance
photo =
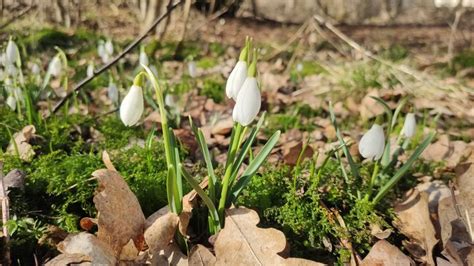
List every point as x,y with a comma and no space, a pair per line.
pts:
120,217
89,245
70,259
20,145
413,220
200,255
159,234
249,244
384,254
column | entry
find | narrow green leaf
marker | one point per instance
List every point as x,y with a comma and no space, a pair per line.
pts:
345,149
397,112
253,167
245,149
399,174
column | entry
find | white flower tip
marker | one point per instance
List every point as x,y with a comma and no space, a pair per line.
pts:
132,106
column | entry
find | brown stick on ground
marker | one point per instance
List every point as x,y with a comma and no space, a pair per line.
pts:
5,216
137,41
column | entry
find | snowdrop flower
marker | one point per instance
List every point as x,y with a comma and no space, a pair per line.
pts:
35,69
143,58
90,70
170,100
237,76
55,66
101,49
372,144
192,69
11,102
131,108
12,54
409,127
109,47
11,70
112,92
249,99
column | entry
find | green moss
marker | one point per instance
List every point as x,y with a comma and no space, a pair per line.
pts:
395,53
217,49
213,89
115,133
463,60
207,62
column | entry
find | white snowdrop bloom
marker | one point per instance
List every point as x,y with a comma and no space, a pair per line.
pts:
90,70
299,67
409,127
132,107
55,66
192,69
248,102
101,49
236,80
170,100
112,92
372,144
35,69
12,54
11,70
143,58
109,47
11,102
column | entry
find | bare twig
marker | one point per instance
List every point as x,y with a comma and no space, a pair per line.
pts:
21,14
5,217
137,41
452,36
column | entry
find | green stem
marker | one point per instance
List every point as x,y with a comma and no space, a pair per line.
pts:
225,186
374,176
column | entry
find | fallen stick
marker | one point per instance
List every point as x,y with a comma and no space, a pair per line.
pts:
137,41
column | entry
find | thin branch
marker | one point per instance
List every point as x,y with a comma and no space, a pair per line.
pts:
21,14
137,41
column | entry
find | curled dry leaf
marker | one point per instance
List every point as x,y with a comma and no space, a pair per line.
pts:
413,220
223,126
292,151
200,255
107,162
384,254
89,245
465,185
70,259
250,245
161,231
20,145
120,217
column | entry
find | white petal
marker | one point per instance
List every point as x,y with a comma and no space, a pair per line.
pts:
228,85
55,66
90,70
409,127
143,58
372,143
11,102
131,108
112,92
11,54
192,69
248,102
239,78
109,47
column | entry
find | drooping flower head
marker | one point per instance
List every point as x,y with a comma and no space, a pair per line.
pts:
409,127
372,143
132,105
12,54
90,70
143,58
55,66
238,74
249,99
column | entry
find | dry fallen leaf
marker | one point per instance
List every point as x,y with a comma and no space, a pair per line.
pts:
250,245
200,255
385,254
292,151
120,217
465,185
20,146
69,259
159,234
369,107
413,220
88,244
223,126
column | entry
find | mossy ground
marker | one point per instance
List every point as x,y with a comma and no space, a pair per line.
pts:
59,191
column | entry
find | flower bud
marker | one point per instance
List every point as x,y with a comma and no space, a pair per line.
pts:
409,127
131,108
143,59
112,92
372,144
236,80
55,66
11,102
35,69
109,47
12,54
192,69
248,102
90,70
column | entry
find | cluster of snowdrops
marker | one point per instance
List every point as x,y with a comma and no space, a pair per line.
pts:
243,87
